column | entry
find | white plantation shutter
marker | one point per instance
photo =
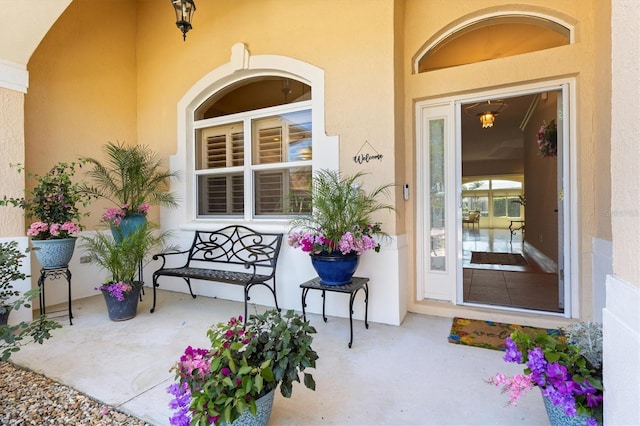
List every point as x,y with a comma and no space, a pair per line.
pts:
279,166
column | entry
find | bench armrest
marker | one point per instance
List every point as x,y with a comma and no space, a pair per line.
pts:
164,256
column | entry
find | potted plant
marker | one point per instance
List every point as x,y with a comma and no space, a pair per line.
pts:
233,381
568,371
123,260
55,202
133,179
12,337
340,227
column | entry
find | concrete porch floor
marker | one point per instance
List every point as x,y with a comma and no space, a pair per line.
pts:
406,375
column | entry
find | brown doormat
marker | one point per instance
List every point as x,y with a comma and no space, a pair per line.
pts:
492,258
489,334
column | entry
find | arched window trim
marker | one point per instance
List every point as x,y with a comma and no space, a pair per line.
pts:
458,26
240,67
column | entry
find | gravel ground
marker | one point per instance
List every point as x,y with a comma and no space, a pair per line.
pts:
28,398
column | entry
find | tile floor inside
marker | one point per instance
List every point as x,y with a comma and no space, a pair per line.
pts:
393,375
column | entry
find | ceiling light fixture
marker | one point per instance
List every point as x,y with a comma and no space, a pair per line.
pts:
486,111
184,11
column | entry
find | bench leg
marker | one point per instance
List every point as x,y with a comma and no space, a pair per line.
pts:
189,284
155,284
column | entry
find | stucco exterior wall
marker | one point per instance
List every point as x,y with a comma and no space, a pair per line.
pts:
12,147
83,87
356,52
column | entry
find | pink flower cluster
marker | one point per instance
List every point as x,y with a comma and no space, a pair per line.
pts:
43,231
114,215
515,386
316,242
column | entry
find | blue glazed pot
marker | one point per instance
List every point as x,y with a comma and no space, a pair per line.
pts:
128,225
122,310
54,253
335,268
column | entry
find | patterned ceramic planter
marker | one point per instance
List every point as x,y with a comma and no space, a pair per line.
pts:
264,405
55,253
557,416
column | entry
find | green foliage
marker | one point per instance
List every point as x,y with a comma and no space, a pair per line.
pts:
340,205
10,263
15,336
245,362
56,198
122,259
130,176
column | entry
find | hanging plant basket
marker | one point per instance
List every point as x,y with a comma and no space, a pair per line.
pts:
548,140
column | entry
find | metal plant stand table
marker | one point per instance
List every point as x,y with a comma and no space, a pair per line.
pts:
54,274
352,288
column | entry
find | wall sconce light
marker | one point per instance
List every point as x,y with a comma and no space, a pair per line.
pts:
184,11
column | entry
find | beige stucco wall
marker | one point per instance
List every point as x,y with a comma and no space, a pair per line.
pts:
12,147
424,20
356,51
83,86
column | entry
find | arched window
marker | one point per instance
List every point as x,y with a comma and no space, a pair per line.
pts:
253,149
491,38
250,135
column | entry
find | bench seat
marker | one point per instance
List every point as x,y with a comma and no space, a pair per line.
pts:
221,256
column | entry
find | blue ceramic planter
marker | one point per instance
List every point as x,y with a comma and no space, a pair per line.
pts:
128,225
335,268
54,253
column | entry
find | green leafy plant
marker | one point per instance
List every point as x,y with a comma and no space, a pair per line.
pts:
10,263
54,201
12,337
131,177
245,362
122,259
341,216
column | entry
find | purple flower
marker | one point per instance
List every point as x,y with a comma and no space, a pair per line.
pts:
512,353
537,364
225,371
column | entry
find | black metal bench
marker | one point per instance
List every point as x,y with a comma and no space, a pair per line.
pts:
236,247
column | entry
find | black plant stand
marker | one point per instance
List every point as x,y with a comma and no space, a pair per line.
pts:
54,274
352,288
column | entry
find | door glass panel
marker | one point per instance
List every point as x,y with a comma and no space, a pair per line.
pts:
437,195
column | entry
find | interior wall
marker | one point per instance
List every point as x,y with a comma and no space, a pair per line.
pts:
540,182
492,167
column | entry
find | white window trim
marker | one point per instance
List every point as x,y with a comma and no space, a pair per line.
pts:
240,67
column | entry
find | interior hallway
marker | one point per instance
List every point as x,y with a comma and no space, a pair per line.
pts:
532,286
393,375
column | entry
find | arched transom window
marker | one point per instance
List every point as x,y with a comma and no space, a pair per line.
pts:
491,38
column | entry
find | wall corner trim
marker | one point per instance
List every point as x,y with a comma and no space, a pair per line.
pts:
14,76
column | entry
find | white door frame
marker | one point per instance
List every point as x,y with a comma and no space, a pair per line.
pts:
453,167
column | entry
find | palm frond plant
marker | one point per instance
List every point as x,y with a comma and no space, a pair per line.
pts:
132,177
341,218
123,259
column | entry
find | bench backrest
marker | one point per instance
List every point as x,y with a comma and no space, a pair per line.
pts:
236,245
